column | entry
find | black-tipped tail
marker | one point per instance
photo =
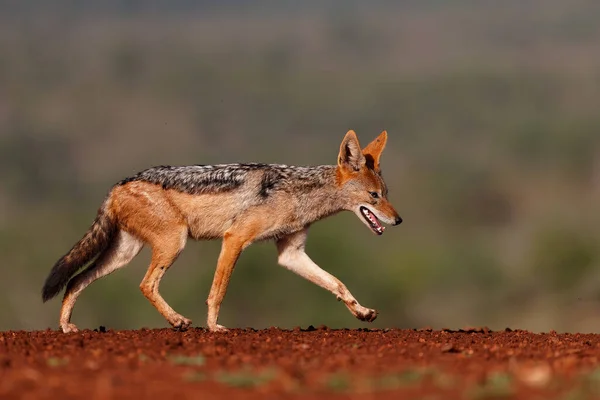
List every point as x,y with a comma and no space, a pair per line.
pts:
95,241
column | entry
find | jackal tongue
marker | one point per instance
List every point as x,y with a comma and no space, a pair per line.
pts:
373,220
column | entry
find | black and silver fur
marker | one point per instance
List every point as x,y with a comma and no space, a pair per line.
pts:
202,179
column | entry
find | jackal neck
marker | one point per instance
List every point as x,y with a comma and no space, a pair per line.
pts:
318,187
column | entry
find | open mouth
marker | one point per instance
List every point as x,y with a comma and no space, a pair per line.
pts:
372,220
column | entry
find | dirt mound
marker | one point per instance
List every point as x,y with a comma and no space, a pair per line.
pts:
317,363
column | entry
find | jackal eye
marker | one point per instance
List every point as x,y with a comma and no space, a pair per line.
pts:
374,195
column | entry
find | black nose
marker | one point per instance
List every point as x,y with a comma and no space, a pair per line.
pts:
398,221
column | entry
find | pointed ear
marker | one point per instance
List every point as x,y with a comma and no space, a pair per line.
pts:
373,151
351,157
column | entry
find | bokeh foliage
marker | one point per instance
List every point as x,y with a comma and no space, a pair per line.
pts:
493,158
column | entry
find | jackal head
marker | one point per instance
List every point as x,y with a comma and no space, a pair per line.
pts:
361,182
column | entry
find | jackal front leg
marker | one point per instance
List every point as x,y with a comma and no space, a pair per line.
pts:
230,252
293,257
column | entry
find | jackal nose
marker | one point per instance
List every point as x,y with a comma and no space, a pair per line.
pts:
398,221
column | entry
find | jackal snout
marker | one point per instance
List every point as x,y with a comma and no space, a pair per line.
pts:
374,214
387,213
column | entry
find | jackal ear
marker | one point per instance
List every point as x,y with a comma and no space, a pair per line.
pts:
373,151
351,156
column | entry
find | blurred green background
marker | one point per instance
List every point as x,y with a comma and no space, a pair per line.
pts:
493,157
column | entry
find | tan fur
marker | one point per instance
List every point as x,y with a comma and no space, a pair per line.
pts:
164,219
374,149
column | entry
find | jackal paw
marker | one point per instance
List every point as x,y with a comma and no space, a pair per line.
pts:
68,328
217,328
181,323
366,314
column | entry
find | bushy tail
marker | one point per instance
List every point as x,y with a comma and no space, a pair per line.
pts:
95,241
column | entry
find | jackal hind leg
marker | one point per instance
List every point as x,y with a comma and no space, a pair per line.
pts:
293,257
165,250
119,253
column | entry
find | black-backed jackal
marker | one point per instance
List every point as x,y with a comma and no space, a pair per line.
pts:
240,203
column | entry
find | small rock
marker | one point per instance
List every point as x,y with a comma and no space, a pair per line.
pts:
449,348
530,373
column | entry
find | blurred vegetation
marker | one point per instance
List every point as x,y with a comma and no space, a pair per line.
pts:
493,158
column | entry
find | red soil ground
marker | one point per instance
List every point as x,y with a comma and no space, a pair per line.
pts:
311,363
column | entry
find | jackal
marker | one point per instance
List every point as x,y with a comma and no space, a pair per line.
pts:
240,203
